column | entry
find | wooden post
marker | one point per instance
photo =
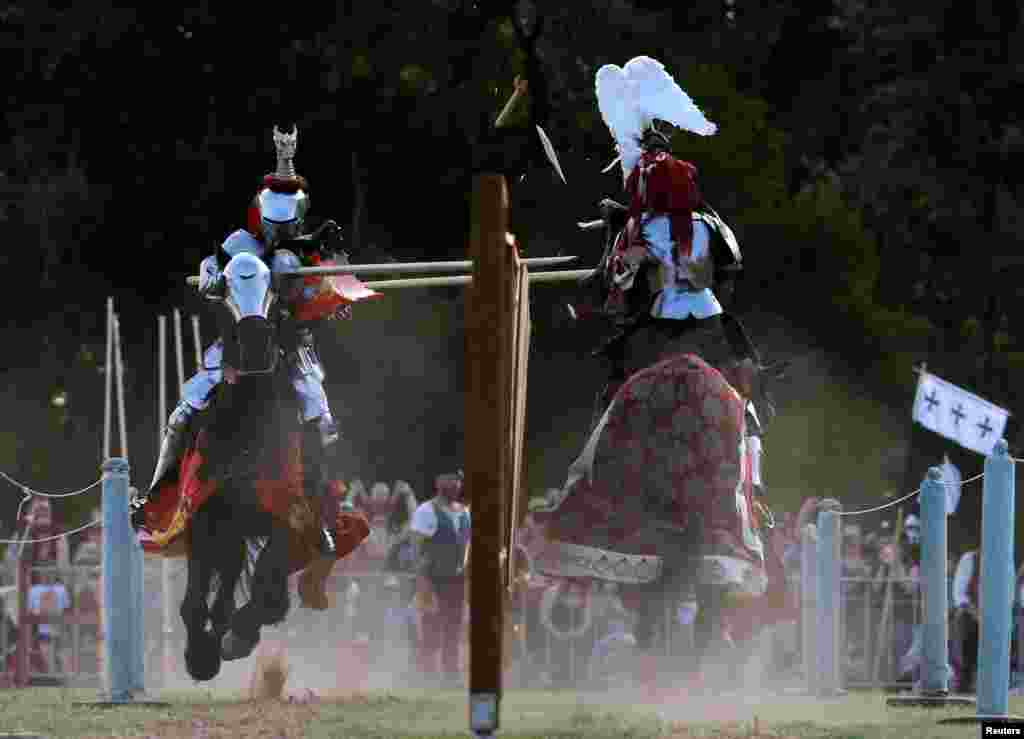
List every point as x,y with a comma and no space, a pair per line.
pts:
197,340
167,629
517,414
487,422
179,353
108,378
22,658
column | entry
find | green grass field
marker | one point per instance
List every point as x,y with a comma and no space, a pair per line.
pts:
525,715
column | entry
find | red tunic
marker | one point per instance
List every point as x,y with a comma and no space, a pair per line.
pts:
663,185
659,184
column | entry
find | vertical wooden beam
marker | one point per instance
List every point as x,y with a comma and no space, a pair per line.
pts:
487,421
520,354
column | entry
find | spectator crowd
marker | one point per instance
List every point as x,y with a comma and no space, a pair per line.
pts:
561,631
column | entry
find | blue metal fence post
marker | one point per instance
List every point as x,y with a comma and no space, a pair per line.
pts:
829,601
118,562
934,561
808,604
138,683
997,583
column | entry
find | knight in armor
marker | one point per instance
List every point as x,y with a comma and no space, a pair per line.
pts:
674,261
660,272
442,531
274,233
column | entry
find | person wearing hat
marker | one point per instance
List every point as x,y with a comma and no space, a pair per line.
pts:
274,233
442,528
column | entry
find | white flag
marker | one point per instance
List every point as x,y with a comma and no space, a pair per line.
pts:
958,415
953,482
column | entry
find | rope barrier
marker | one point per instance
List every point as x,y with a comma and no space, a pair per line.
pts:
29,493
908,496
52,538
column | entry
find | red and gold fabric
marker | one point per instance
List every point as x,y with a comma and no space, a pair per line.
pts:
280,489
329,293
660,184
670,453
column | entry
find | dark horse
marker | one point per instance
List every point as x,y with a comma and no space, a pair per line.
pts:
239,504
239,550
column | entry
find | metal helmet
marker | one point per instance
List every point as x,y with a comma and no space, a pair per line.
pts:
284,200
654,140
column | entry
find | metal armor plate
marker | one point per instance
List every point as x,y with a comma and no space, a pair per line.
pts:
243,242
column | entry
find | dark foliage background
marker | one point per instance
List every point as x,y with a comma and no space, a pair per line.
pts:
869,160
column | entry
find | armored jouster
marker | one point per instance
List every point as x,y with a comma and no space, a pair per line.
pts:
670,260
275,235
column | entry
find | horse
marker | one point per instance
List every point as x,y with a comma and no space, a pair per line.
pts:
237,507
661,501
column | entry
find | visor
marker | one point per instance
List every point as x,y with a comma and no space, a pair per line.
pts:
281,207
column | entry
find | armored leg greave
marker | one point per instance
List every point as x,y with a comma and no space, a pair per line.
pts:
170,450
173,442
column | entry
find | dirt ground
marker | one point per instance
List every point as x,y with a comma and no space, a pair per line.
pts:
526,714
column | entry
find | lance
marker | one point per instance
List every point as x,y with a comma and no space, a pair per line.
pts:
420,268
460,280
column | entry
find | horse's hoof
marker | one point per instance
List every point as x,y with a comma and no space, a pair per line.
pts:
202,658
233,647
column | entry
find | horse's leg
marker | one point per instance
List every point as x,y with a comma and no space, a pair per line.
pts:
231,568
202,657
654,605
268,603
708,628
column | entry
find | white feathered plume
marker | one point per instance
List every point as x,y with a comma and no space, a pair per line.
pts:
631,97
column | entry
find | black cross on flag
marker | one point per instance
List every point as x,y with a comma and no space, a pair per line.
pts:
971,421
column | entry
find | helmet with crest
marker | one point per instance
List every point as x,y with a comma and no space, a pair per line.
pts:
278,211
633,97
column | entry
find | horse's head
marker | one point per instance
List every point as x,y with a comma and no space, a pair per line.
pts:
753,381
248,297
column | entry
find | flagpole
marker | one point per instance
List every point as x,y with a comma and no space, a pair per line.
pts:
108,381
908,467
165,564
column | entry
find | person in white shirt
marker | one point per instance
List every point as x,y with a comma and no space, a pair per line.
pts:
50,600
966,604
441,529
